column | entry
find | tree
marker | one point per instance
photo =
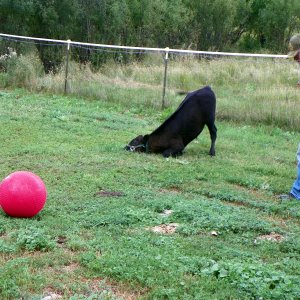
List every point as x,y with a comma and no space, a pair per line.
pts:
161,23
52,19
15,15
271,23
244,25
212,23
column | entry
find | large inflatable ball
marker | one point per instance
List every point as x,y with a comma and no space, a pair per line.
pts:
22,194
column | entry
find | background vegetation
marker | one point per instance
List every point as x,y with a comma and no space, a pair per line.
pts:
249,91
231,25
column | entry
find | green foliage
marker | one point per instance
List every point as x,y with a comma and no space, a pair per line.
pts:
6,248
271,23
214,23
15,16
13,275
2,227
33,239
252,25
198,217
255,280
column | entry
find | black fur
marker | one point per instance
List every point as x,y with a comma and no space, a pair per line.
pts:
184,125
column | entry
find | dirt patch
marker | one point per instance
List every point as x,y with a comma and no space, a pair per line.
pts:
165,228
166,213
61,241
3,236
70,268
237,203
52,296
282,222
100,285
109,194
272,237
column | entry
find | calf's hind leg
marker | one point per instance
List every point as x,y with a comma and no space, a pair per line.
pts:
213,136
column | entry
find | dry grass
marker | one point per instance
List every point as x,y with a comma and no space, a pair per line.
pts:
248,90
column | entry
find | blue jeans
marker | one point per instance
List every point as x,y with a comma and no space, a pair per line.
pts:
295,191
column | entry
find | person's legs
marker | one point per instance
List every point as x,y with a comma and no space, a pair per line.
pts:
295,191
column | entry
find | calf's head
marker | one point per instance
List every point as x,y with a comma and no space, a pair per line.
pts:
138,144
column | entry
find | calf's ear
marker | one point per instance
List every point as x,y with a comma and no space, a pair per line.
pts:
139,139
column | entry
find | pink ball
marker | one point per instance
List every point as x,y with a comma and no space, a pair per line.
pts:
22,194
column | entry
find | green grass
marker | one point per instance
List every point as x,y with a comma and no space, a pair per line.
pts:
93,239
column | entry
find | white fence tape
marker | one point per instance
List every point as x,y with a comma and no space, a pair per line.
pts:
169,50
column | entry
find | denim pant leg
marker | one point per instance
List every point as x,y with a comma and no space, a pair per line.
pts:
296,186
295,191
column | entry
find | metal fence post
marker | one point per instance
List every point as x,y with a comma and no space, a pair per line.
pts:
165,76
67,65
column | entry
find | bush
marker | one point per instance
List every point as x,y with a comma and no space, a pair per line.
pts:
23,71
6,57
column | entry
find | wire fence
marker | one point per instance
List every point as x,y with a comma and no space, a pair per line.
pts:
58,54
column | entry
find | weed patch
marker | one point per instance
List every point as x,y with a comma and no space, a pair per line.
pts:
33,239
254,280
13,275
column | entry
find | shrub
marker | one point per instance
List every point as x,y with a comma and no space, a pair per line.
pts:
23,71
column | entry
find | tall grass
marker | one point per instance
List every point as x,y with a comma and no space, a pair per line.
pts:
22,71
248,90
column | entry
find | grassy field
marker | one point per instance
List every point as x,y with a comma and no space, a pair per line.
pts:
120,225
